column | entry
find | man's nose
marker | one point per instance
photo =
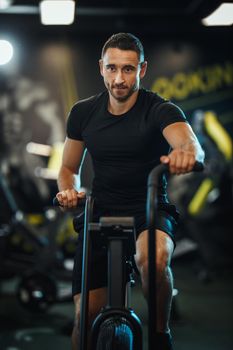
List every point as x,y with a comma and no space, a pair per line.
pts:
119,77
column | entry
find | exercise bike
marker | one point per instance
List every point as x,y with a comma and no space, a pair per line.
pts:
117,326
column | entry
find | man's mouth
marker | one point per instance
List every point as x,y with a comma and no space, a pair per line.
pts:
120,87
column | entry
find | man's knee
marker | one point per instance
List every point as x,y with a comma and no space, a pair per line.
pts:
162,265
164,249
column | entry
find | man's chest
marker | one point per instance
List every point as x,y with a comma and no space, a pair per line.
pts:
119,137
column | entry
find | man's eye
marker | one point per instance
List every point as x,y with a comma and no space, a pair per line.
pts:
128,69
111,69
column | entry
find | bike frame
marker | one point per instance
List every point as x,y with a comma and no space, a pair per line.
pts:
116,231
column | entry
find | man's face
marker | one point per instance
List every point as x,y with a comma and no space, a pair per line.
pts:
122,72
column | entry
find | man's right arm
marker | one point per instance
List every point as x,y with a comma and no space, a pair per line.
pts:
71,160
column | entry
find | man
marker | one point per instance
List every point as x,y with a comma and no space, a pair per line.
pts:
127,130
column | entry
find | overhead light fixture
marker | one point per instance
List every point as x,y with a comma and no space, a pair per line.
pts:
5,4
6,52
57,12
222,16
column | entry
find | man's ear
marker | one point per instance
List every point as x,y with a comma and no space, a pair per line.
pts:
143,69
101,66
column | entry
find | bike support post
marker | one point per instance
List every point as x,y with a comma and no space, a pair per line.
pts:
85,275
151,209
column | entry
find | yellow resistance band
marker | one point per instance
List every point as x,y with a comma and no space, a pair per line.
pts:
219,135
199,199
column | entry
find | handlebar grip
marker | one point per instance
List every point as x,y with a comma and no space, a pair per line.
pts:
198,167
56,202
159,170
81,202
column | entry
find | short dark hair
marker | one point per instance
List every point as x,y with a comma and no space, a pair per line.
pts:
125,41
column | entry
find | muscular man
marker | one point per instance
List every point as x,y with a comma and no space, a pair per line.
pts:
127,130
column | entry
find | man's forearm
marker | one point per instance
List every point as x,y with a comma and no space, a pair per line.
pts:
66,179
181,137
195,147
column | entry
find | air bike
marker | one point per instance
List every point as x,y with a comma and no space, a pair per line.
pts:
117,327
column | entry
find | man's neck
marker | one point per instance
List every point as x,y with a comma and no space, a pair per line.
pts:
117,107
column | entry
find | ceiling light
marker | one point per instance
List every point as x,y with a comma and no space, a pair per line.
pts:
6,52
5,4
222,16
57,12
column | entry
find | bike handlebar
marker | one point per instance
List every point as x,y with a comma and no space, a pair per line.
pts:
81,202
157,171
153,179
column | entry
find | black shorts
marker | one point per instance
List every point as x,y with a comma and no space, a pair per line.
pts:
166,219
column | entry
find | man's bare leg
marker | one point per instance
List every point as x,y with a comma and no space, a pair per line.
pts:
164,282
97,299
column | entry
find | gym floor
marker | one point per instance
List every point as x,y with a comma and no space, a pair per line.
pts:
202,316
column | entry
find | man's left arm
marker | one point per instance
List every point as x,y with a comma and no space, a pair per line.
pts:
186,149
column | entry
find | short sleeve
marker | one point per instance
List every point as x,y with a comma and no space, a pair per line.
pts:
168,113
73,126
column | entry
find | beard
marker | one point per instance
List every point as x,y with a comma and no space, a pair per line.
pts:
121,92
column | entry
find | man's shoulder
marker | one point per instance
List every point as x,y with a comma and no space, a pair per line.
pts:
152,97
161,110
80,114
89,102
159,101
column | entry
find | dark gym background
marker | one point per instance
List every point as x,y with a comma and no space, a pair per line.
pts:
54,66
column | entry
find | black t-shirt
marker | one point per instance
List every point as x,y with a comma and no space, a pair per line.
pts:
124,148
